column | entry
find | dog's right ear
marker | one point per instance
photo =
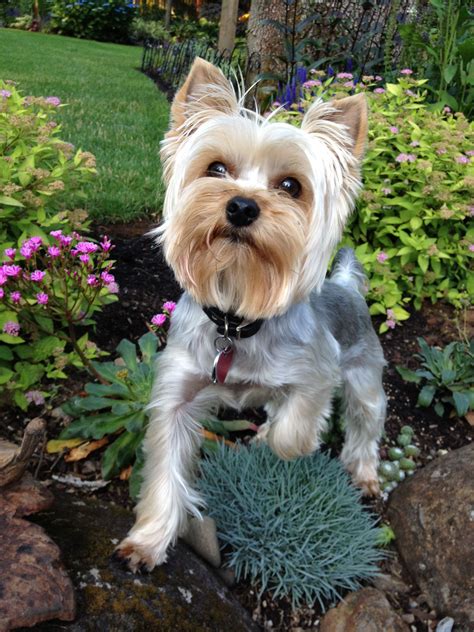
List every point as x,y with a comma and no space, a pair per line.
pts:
205,93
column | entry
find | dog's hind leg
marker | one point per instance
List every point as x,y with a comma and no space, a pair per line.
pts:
171,444
365,406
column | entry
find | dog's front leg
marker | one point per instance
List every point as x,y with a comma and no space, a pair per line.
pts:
170,446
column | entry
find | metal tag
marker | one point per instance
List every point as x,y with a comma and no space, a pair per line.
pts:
223,360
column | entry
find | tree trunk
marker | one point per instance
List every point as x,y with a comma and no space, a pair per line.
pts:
168,6
228,25
266,42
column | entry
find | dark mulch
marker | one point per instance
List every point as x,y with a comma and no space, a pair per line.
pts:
145,283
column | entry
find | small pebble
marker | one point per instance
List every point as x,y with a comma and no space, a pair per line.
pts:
445,625
408,618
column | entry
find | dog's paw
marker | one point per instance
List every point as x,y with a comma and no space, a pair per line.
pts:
136,557
369,487
365,477
262,434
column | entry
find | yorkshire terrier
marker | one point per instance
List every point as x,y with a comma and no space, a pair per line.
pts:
253,212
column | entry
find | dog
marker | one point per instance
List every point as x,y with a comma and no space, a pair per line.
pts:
253,212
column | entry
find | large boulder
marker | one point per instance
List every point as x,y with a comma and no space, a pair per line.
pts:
182,595
366,610
432,515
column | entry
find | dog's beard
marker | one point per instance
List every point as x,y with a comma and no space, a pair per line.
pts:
252,271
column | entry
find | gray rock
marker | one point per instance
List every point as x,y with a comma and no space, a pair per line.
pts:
182,595
445,625
365,610
201,536
390,584
431,515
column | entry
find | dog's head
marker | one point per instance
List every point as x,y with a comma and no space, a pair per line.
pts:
254,208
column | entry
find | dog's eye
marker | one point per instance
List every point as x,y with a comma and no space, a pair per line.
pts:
217,169
290,186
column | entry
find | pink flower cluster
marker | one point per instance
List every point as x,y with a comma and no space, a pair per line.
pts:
382,257
391,319
158,320
405,158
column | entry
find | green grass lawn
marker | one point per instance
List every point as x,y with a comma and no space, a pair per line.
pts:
114,111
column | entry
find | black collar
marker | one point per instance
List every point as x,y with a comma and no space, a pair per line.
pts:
235,329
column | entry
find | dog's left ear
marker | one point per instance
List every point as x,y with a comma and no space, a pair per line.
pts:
350,112
205,93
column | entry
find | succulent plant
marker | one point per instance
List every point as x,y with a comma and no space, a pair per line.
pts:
401,463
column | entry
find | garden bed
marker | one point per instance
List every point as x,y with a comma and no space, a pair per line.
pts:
145,283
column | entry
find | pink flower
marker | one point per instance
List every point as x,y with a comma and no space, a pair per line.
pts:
410,93
169,306
159,320
2,292
441,151
348,84
65,240
54,251
386,190
471,210
414,143
382,256
56,234
10,253
105,244
3,277
447,109
35,243
35,397
53,101
471,247
406,71
462,160
11,271
84,258
390,323
11,328
344,75
276,104
5,94
27,251
92,280
470,152
37,276
378,78
308,84
42,298
113,288
379,91
405,158
15,297
86,247
394,129
107,278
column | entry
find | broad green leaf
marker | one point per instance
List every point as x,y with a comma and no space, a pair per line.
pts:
20,400
93,427
461,402
439,409
120,454
107,390
9,201
5,353
408,375
5,375
44,347
148,344
128,352
426,395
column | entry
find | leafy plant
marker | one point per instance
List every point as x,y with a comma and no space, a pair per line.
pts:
108,21
45,293
447,376
412,231
447,53
293,527
117,407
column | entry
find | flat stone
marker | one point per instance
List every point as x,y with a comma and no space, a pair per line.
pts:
365,610
201,536
24,497
34,587
390,584
182,595
432,515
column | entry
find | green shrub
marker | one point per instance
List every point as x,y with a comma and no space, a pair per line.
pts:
143,29
36,167
293,527
447,376
108,21
412,230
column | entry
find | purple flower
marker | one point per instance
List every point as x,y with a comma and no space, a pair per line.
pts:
92,280
379,91
11,271
105,244
26,250
344,75
462,160
54,251
471,247
35,397
113,288
386,190
441,151
42,298
382,256
2,292
447,109
169,306
348,84
390,323
276,104
10,253
470,152
405,158
406,71
11,328
65,240
310,84
159,320
471,210
56,234
35,242
85,247
378,78
5,94
53,101
15,297
410,93
394,129
415,143
3,277
84,258
37,276
107,278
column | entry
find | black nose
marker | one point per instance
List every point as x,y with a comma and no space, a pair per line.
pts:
242,211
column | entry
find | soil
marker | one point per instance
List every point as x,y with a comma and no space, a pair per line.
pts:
145,283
